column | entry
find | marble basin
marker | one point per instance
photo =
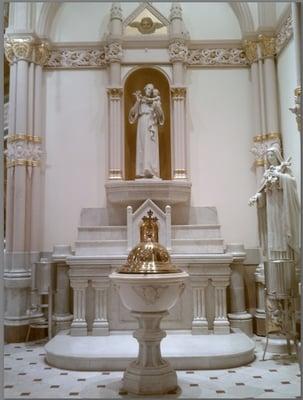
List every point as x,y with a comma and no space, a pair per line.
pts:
149,292
149,297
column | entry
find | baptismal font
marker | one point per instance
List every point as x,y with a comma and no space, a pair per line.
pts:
149,285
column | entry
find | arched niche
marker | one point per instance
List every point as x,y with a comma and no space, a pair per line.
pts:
136,80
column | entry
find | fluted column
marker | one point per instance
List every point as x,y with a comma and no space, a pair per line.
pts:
24,52
199,323
114,54
221,323
100,324
238,316
79,324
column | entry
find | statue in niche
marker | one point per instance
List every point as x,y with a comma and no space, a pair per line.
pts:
147,112
278,209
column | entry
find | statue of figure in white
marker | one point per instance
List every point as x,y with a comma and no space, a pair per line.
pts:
278,209
147,110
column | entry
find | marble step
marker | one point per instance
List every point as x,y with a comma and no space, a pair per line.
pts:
206,231
100,247
102,233
198,246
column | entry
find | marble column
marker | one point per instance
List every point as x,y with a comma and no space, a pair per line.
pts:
24,52
114,54
79,324
200,322
221,323
62,310
100,324
238,316
260,300
178,57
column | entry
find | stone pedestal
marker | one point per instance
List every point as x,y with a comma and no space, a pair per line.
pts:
79,324
100,324
150,373
200,323
221,323
260,310
238,316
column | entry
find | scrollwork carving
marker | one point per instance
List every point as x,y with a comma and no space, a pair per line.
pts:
284,34
231,56
149,294
76,58
25,48
178,51
114,52
23,150
250,49
267,45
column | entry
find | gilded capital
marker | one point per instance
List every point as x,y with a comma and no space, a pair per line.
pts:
42,53
250,49
268,46
178,92
115,93
26,48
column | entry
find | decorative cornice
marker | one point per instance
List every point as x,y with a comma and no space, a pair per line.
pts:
26,48
250,49
77,58
217,57
178,51
23,150
284,34
267,46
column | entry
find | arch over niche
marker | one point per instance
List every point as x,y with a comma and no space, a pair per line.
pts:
136,80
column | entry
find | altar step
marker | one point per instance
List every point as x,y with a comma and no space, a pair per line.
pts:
179,246
182,349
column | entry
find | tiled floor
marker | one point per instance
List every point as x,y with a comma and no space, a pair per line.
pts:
28,376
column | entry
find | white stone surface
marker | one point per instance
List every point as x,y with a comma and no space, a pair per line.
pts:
182,349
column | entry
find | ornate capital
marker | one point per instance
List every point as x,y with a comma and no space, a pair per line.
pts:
178,50
42,53
268,46
262,143
114,52
250,49
115,93
175,11
178,93
23,150
116,11
26,48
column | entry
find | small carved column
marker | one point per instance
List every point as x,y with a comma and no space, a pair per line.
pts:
114,55
178,57
238,316
100,324
221,323
79,324
199,323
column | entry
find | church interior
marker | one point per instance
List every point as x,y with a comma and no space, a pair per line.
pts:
152,190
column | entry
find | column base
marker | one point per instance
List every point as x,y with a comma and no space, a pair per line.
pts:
221,327
62,322
242,321
100,328
150,381
260,329
278,346
199,327
78,329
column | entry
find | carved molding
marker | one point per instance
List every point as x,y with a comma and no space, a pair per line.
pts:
114,52
178,51
116,11
284,34
175,11
23,150
216,57
267,46
178,92
77,58
26,48
250,49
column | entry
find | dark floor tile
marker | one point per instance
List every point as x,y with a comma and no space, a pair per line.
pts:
240,384
47,368
213,377
273,370
54,386
37,380
22,373
25,394
189,372
81,379
268,390
74,393
7,368
194,384
257,376
285,383
30,350
7,354
63,373
8,386
32,363
231,372
105,373
18,359
220,391
101,386
17,347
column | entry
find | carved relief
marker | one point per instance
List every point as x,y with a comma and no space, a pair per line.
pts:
116,11
178,51
267,45
178,92
250,49
284,34
175,11
113,52
232,56
262,143
146,25
23,150
25,48
149,294
76,58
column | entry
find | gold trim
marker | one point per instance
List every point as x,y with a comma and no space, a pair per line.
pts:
178,92
115,92
24,138
180,174
115,174
273,135
258,138
260,163
22,163
268,46
298,91
266,136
